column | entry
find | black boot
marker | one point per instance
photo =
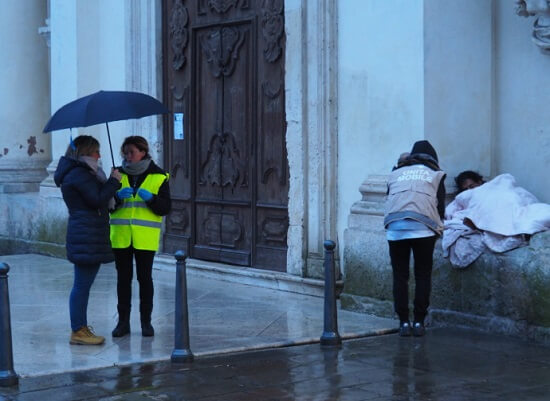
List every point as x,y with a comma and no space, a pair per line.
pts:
123,326
147,329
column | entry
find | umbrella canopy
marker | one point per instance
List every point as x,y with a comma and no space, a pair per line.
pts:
104,107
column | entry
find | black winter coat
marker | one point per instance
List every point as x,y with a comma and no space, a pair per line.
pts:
87,199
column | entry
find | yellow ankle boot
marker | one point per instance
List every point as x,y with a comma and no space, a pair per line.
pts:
85,336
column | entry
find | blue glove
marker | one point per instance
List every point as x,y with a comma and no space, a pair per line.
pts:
145,195
125,193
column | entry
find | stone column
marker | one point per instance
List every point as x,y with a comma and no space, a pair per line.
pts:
24,100
311,89
63,78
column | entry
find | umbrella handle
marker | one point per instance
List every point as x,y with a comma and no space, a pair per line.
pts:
110,145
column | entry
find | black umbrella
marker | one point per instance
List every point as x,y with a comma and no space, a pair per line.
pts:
103,107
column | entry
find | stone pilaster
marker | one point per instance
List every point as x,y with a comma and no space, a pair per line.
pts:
311,85
143,67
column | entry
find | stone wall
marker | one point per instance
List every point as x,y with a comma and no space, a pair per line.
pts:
506,293
30,223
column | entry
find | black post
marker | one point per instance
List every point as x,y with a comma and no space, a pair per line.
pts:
182,353
330,336
8,377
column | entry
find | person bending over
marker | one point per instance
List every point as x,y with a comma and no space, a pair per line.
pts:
415,208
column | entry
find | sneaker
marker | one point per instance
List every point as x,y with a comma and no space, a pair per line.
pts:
404,329
418,329
86,336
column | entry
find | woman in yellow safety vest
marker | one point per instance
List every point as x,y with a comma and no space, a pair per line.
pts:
135,230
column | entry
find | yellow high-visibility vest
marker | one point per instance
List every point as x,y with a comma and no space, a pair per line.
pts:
134,223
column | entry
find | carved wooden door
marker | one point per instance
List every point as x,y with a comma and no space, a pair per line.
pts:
225,145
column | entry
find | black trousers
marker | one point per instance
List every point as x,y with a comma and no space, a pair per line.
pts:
124,258
400,254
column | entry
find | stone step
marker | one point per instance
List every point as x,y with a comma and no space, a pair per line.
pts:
247,275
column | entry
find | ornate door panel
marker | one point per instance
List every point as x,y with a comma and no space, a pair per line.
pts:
223,77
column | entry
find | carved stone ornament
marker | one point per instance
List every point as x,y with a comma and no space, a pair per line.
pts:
541,27
221,48
178,34
272,28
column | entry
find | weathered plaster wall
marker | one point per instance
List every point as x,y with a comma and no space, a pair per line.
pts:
458,84
381,95
522,93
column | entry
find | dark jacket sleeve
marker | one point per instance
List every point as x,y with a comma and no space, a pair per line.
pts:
93,198
161,203
441,195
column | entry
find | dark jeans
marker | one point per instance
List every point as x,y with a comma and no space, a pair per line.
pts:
84,276
400,254
124,258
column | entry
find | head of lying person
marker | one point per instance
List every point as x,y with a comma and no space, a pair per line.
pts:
468,180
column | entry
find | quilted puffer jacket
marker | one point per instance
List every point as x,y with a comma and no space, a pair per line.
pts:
87,199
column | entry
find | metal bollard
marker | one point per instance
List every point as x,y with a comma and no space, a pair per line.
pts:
330,336
182,353
8,377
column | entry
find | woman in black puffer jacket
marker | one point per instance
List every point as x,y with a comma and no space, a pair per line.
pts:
87,193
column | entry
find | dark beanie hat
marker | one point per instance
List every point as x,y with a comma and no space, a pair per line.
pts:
424,148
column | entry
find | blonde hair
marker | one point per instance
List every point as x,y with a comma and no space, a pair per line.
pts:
82,145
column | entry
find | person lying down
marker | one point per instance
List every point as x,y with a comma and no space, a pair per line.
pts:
498,215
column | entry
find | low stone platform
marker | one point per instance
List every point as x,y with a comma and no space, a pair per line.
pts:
506,293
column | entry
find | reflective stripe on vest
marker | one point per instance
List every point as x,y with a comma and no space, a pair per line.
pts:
134,223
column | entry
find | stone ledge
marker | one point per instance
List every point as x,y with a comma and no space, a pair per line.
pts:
247,275
491,324
11,246
504,293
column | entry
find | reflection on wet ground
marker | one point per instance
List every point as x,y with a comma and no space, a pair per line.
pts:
445,365
223,317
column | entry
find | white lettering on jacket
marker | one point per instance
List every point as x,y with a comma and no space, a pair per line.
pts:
417,174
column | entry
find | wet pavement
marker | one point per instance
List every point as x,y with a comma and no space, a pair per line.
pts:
223,317
250,343
446,365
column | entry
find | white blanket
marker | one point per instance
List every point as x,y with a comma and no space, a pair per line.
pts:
502,211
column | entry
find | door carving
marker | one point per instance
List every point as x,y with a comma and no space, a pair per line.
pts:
223,74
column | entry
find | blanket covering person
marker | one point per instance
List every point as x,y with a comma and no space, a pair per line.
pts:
503,213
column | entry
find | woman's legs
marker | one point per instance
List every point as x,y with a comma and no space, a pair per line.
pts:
124,267
423,250
144,270
400,253
84,276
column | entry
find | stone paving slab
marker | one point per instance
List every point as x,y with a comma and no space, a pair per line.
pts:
445,365
224,317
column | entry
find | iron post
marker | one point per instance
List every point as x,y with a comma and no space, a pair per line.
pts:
8,377
330,336
182,352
